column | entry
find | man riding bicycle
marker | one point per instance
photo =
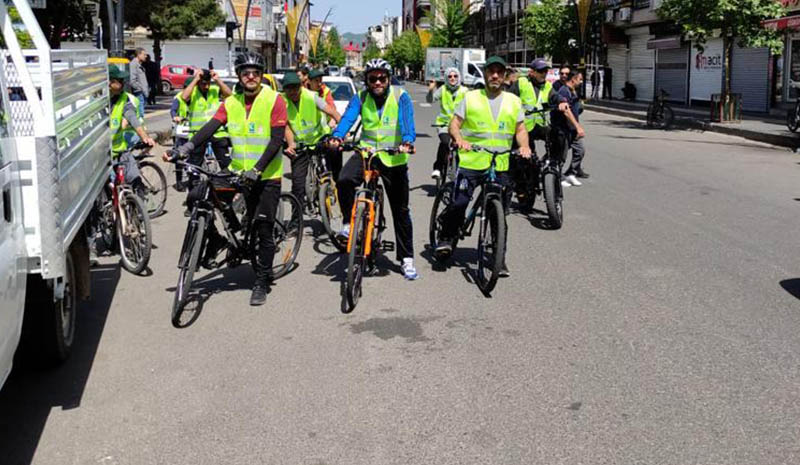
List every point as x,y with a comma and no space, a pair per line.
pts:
450,94
256,120
487,118
203,99
387,116
306,126
333,158
126,123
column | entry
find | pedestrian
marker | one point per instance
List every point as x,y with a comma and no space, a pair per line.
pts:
595,83
569,133
563,72
151,72
607,82
138,83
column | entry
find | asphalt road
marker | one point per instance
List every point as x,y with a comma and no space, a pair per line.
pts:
659,326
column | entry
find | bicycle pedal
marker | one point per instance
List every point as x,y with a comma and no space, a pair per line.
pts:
387,246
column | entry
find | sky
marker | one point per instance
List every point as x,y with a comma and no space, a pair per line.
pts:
354,15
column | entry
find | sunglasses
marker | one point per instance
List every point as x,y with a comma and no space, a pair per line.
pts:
374,79
250,73
452,76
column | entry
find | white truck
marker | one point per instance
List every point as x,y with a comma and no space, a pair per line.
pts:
469,61
54,152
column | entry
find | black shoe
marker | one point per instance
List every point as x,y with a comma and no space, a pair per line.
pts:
187,213
259,295
180,187
504,273
216,243
582,174
443,249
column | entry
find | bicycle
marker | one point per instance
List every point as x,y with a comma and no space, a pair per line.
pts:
367,225
153,190
321,195
224,192
659,112
451,167
491,227
793,117
122,221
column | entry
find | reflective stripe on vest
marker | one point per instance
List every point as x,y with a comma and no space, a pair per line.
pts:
119,142
304,118
479,129
384,132
202,109
449,103
250,133
531,101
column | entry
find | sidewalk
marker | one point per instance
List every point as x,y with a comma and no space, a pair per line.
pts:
766,128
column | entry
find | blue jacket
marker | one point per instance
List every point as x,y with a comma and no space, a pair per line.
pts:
353,111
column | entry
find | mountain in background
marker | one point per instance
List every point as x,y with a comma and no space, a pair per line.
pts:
347,37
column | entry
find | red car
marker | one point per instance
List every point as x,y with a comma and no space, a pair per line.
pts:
173,76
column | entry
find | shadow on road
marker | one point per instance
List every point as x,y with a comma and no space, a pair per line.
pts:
30,394
792,286
429,189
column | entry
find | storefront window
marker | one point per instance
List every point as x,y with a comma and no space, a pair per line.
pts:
793,82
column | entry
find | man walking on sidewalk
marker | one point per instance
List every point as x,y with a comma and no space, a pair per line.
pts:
139,85
569,133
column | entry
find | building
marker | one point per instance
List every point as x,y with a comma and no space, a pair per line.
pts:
503,30
354,54
785,68
383,34
415,14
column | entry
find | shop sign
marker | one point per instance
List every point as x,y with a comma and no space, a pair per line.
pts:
705,77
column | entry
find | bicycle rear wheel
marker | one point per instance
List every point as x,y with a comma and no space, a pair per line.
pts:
155,184
793,119
288,234
667,117
135,239
356,261
491,245
330,212
553,200
187,263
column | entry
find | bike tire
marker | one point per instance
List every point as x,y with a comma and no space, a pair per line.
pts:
155,183
356,261
187,263
311,192
792,120
553,201
442,201
288,234
330,212
491,245
139,236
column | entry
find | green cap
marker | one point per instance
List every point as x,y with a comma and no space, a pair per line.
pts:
188,81
118,74
315,73
495,60
291,79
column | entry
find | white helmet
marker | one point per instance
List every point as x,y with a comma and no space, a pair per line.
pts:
377,64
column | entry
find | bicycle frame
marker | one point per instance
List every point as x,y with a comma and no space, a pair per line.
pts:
372,191
489,188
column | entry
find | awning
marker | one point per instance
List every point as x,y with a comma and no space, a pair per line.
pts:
787,22
664,43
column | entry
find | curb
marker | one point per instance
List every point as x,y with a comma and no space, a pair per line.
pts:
788,141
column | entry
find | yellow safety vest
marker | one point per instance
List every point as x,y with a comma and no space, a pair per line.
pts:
383,132
250,134
480,130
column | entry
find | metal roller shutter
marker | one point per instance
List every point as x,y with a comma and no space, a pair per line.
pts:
671,72
750,77
618,62
642,63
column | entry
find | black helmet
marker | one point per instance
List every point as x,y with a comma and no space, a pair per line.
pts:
249,60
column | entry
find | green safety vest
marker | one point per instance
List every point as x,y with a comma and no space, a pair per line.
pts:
183,108
450,101
383,132
479,129
530,101
326,127
305,118
202,109
118,142
250,134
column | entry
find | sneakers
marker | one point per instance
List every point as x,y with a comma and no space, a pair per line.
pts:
582,174
259,294
443,249
565,183
503,272
573,180
436,174
409,272
344,235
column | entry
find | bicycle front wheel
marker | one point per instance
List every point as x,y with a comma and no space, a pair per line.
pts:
330,212
155,185
553,200
491,245
667,117
135,239
440,203
793,119
288,234
356,261
187,264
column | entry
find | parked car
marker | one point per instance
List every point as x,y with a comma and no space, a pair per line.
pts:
342,89
332,70
173,76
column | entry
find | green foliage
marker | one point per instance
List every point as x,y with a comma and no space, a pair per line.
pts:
448,23
23,37
334,50
738,18
174,19
549,26
372,50
69,19
406,50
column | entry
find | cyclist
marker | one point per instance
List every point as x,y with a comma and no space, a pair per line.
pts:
179,111
332,157
256,119
306,125
450,94
203,99
490,118
126,123
387,115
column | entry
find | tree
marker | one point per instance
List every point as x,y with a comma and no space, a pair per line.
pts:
69,19
371,51
23,36
739,20
406,50
448,20
336,56
172,19
551,28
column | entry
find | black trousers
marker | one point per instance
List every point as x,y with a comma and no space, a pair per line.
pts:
262,205
466,182
333,158
220,148
299,172
395,184
441,155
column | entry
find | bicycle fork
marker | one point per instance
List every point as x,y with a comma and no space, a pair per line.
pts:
370,224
